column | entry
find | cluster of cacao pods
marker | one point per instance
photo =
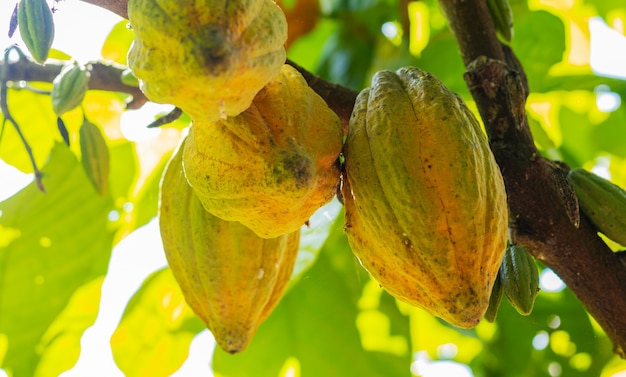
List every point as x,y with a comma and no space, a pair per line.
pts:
260,158
425,205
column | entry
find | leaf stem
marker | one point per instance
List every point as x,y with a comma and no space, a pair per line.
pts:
4,106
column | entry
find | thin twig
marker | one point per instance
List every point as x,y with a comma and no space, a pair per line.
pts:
4,106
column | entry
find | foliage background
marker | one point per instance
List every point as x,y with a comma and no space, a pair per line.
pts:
55,249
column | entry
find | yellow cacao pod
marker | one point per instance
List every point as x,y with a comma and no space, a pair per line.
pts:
207,57
272,166
425,205
230,277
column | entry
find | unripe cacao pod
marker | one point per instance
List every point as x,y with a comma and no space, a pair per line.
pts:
230,277
95,156
494,300
69,88
36,27
602,201
272,166
520,279
207,57
425,204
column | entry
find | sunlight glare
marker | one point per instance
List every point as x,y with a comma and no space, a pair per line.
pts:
555,369
541,340
423,366
606,100
550,282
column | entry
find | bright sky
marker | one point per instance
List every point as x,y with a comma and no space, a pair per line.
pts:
81,29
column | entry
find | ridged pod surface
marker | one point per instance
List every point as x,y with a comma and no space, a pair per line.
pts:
207,57
272,166
602,201
36,27
520,280
425,204
230,277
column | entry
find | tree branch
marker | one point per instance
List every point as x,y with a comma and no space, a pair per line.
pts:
585,263
119,7
104,76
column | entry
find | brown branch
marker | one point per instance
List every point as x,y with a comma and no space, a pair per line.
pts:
589,268
104,76
119,7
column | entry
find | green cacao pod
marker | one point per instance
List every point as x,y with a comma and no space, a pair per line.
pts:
602,201
520,279
207,57
95,156
36,27
502,16
425,205
494,300
230,277
69,88
272,166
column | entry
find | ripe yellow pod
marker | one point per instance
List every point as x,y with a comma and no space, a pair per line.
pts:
425,204
229,276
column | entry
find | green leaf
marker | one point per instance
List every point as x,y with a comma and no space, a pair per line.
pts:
61,343
124,169
346,57
305,50
534,29
34,115
313,330
60,240
442,58
610,135
157,327
576,131
313,237
117,43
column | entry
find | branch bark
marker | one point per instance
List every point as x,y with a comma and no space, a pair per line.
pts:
585,263
589,268
104,76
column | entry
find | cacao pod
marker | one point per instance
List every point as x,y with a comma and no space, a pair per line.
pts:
502,16
36,25
602,201
230,277
272,166
208,57
69,88
520,279
95,156
425,205
494,300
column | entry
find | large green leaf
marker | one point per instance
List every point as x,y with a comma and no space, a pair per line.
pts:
314,332
60,345
52,244
154,335
577,131
313,237
610,135
534,29
33,114
347,55
117,43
